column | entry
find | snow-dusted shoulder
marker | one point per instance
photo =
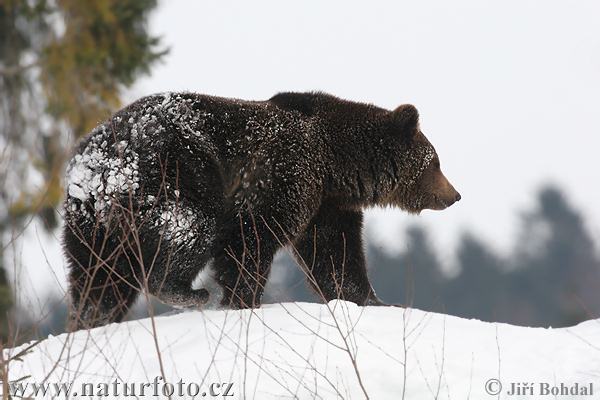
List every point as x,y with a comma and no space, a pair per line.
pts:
306,351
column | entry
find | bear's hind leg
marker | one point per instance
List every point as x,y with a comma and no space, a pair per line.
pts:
100,305
182,247
179,294
172,283
100,291
183,218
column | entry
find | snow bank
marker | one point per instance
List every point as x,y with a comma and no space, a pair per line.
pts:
306,351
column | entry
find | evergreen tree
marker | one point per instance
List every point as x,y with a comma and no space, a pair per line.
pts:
63,65
556,259
479,290
414,278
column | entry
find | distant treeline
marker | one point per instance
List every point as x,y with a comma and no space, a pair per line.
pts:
550,278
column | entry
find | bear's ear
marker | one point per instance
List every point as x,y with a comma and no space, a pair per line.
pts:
406,119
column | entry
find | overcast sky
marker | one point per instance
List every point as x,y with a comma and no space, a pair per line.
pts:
509,92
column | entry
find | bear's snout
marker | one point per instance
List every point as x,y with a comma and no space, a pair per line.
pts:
456,198
444,194
449,196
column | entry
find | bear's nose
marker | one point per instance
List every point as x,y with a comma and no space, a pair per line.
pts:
457,198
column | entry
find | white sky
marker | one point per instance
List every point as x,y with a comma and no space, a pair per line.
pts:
509,92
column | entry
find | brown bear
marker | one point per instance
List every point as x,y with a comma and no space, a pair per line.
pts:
176,181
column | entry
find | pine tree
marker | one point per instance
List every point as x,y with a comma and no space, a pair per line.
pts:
63,65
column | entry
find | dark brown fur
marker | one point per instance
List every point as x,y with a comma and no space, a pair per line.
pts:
298,168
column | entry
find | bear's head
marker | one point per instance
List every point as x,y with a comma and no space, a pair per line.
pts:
421,184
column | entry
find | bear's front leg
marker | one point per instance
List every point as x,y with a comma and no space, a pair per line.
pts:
243,259
250,234
330,251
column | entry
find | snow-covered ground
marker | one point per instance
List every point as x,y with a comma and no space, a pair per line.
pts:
323,351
